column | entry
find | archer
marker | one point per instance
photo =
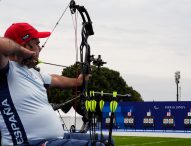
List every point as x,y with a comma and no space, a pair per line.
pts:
26,116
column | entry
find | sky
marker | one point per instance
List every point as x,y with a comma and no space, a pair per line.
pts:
147,41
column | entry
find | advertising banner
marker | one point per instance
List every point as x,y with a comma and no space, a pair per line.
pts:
151,115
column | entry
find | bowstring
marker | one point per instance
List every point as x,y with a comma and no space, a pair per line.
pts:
47,41
56,24
64,125
75,24
76,40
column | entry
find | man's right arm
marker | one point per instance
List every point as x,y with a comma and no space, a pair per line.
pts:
5,44
9,48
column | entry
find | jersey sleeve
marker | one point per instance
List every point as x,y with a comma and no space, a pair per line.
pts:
46,79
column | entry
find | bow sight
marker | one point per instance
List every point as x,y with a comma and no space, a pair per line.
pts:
98,61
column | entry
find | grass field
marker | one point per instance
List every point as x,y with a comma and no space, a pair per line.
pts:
150,141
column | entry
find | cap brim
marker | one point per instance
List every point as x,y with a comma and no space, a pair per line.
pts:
43,34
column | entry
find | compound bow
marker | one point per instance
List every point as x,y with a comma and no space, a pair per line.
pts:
85,59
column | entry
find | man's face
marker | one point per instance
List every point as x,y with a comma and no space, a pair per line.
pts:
33,45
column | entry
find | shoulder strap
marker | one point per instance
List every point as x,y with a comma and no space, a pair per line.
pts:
9,113
4,70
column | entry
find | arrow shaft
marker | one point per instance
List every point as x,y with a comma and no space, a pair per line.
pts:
54,64
111,94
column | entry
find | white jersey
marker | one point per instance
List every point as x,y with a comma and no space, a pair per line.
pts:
25,111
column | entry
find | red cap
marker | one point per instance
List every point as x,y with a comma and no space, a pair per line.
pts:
23,32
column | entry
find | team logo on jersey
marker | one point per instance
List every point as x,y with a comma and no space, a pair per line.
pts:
9,115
